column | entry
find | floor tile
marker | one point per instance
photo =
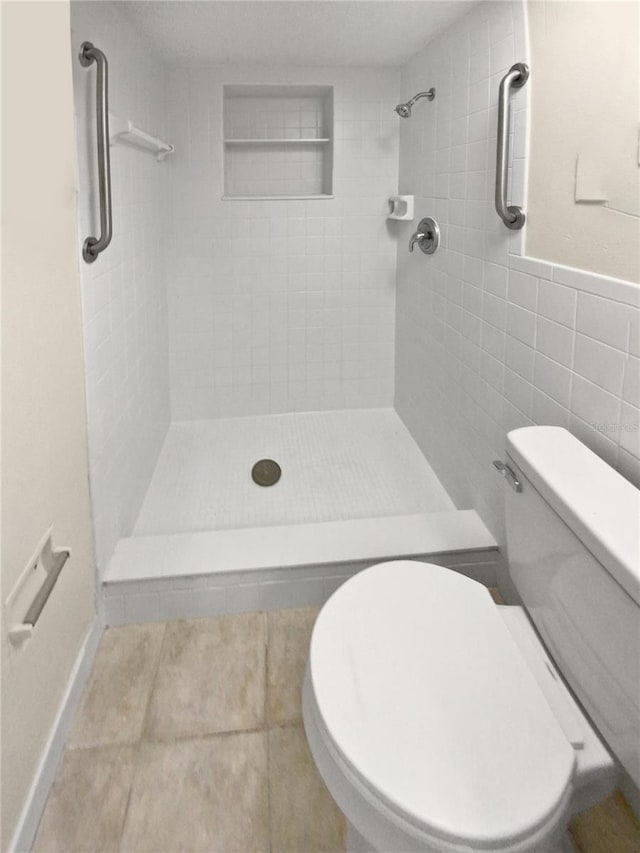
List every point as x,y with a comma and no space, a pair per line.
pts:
115,700
289,633
232,792
87,805
211,677
496,595
609,827
200,795
304,817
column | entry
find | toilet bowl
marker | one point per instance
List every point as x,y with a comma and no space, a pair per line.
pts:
440,721
428,724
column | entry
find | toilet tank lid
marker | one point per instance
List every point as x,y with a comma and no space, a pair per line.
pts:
594,501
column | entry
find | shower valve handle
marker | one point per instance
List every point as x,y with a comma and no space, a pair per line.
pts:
418,237
427,236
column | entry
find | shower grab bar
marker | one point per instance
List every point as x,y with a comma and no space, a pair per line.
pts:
515,78
94,245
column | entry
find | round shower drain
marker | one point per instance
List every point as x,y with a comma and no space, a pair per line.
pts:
266,472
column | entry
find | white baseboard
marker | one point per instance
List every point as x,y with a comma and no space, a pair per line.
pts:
45,775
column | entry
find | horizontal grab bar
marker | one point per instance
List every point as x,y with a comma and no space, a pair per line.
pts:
515,78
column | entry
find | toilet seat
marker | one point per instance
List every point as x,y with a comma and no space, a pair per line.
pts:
423,699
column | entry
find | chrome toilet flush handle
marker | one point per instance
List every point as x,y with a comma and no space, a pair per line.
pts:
509,474
427,236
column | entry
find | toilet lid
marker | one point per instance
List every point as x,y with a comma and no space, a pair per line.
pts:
425,695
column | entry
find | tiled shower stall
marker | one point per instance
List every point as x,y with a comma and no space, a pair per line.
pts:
281,305
223,325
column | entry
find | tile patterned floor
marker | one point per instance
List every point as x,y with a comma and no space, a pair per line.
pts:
189,739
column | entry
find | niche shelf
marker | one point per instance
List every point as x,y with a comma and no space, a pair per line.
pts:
285,141
278,142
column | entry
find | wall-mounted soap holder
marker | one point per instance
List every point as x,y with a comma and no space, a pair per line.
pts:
28,597
401,207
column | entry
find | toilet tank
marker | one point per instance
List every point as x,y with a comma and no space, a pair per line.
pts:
573,539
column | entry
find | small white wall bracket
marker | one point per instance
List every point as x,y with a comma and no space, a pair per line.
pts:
124,132
31,591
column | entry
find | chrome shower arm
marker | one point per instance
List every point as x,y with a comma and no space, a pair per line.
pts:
429,95
404,110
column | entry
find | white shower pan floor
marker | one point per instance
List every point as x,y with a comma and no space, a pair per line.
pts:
355,490
335,466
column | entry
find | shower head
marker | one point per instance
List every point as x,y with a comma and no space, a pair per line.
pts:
404,110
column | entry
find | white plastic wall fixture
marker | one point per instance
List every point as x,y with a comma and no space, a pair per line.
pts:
124,131
401,207
32,588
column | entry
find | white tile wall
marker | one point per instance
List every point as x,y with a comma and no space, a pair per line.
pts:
269,170
489,340
280,306
276,117
123,292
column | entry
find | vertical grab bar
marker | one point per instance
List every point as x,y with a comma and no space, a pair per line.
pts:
515,78
94,245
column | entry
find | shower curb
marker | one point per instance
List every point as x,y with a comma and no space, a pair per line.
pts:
191,575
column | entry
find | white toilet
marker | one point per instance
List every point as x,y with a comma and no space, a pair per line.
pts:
438,720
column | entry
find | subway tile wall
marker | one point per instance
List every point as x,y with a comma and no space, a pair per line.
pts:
123,292
487,339
285,305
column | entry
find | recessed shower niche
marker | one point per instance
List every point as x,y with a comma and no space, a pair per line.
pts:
278,141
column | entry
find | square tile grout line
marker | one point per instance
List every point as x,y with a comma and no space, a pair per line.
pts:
267,724
264,729
139,744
